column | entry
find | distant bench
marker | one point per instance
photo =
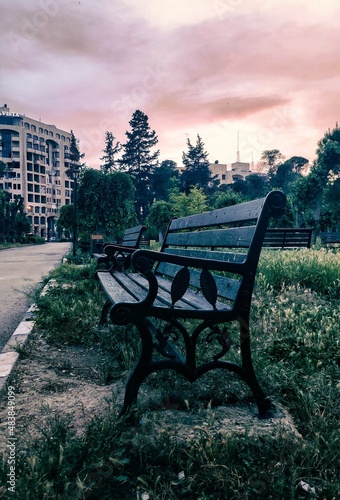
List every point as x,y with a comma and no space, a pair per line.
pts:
330,239
285,238
114,255
205,271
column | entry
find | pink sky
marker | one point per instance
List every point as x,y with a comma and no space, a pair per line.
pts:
268,70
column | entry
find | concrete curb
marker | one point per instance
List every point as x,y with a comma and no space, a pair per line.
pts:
9,355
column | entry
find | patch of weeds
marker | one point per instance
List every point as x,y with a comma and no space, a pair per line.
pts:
23,349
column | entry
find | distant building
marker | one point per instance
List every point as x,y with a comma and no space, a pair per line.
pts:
229,173
37,156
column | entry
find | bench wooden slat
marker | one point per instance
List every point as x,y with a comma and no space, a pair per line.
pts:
207,254
113,289
236,213
233,237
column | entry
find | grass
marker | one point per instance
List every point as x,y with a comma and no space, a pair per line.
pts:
295,340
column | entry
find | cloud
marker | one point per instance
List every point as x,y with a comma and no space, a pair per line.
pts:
230,65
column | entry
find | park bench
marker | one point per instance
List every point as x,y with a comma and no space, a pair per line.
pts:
285,238
113,255
330,239
204,273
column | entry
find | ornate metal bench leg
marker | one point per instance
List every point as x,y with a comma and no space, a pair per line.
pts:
141,369
264,404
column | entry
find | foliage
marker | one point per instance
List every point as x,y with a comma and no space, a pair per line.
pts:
139,161
254,186
158,219
14,223
317,270
65,219
270,160
109,162
165,178
105,203
226,198
75,155
311,190
197,171
287,173
184,204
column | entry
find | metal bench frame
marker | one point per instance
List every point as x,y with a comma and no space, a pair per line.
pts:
116,256
193,276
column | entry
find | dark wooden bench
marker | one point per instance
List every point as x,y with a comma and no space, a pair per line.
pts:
285,238
204,272
330,239
114,255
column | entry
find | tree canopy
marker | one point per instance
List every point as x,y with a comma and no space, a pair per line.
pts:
105,203
111,150
197,171
139,160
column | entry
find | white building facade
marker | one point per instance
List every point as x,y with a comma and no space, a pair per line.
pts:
36,156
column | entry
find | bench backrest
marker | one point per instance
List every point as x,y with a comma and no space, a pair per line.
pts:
329,238
132,236
288,237
227,236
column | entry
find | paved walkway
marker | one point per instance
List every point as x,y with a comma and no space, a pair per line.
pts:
21,271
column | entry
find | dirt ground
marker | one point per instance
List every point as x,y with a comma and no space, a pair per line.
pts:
48,380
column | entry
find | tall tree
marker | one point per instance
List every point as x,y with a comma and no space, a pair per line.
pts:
111,150
75,155
140,161
165,178
270,160
197,171
288,172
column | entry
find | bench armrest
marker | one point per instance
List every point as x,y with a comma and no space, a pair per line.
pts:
143,260
111,249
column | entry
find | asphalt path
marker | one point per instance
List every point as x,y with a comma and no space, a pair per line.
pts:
21,272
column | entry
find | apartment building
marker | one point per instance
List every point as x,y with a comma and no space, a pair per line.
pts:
36,156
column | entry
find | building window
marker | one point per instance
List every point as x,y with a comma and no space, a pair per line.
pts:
223,177
37,198
36,210
41,131
30,188
30,198
6,143
42,220
34,128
